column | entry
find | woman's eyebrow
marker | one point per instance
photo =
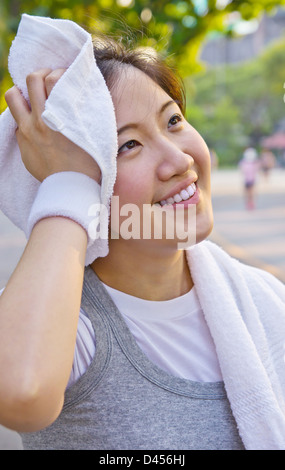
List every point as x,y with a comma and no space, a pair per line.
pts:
135,125
126,127
163,107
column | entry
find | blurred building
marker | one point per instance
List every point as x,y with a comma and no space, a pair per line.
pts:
225,50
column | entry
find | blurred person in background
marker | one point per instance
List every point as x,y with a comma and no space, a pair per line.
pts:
249,166
267,162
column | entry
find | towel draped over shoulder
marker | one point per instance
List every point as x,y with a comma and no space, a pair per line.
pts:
245,311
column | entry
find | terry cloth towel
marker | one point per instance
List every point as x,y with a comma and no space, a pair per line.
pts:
79,106
245,311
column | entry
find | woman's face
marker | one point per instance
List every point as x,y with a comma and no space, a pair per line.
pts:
160,156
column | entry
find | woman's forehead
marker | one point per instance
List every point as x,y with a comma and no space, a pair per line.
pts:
136,92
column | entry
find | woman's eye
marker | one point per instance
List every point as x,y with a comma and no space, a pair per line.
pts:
128,146
174,120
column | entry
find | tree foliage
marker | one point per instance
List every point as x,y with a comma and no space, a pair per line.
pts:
234,106
177,29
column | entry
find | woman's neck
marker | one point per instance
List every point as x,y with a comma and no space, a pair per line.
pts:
152,277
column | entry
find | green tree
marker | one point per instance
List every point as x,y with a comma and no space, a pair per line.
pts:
177,27
233,106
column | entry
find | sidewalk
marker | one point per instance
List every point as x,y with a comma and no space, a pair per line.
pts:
229,181
9,440
255,237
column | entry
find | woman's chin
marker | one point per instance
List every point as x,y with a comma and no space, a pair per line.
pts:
204,227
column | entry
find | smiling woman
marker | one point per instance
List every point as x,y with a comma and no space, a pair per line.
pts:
160,156
151,346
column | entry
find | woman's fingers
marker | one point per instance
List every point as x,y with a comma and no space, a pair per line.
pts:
17,104
43,150
52,78
37,91
39,84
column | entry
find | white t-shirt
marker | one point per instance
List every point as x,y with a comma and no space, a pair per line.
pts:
173,334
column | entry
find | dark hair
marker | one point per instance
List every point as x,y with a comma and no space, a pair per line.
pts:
112,55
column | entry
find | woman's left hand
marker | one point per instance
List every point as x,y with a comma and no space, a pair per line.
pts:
43,150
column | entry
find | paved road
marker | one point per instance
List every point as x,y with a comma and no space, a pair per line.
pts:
12,243
256,237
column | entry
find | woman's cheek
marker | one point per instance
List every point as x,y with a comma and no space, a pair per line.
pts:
128,189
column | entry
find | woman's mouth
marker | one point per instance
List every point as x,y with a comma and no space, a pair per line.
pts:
184,195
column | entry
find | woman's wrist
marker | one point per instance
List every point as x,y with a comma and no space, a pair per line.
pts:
65,194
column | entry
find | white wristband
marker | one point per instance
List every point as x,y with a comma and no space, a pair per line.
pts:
77,197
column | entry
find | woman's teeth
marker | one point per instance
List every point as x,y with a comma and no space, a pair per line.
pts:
182,196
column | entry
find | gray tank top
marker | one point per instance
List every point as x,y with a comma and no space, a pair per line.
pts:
125,402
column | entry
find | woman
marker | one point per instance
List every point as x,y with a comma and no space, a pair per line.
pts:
146,373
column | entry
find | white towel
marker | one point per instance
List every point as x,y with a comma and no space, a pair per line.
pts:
245,311
79,106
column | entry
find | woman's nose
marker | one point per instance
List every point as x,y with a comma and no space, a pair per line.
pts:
173,161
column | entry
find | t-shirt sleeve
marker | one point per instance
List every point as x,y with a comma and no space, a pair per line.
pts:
84,348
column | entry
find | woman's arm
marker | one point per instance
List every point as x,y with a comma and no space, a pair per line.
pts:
40,305
39,311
